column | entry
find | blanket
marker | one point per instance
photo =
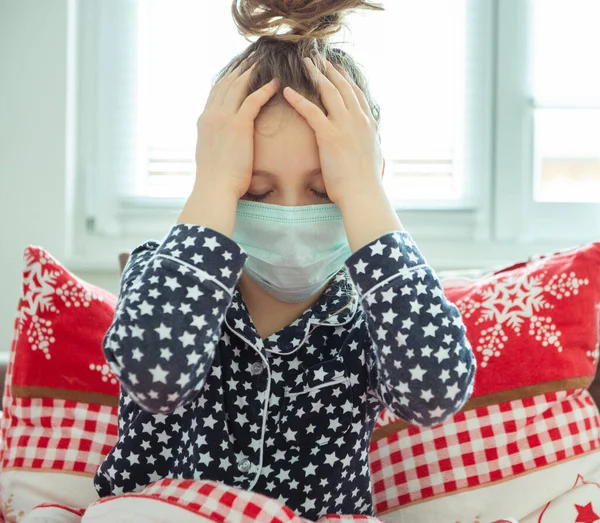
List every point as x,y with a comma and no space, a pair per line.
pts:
185,501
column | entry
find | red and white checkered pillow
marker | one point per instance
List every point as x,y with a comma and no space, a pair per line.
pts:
185,501
60,398
534,331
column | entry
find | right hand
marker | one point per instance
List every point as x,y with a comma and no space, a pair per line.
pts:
225,145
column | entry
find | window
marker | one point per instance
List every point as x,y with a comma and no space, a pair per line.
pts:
566,99
421,95
567,155
156,61
490,124
548,140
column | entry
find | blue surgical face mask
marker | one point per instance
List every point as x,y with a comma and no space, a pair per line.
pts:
292,251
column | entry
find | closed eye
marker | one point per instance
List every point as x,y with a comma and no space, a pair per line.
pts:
322,195
264,196
258,197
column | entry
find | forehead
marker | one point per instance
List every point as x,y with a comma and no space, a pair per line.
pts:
283,138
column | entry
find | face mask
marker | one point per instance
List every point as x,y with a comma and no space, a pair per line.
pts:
292,251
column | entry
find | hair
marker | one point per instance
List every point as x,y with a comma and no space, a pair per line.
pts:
277,55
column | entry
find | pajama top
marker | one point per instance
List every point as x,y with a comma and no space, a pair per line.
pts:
291,416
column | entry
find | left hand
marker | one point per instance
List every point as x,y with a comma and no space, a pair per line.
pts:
348,138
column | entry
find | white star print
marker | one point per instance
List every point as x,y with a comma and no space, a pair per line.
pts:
164,332
378,248
388,295
388,317
452,391
360,267
310,469
211,243
442,354
430,329
159,374
395,253
427,395
319,374
210,421
417,373
198,321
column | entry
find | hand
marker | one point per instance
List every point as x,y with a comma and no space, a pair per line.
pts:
225,145
348,139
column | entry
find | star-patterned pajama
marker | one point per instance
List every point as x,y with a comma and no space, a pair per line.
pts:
291,416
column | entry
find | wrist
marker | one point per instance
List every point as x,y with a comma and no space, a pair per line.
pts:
211,205
214,188
353,198
367,214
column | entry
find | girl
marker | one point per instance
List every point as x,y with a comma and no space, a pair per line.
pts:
257,344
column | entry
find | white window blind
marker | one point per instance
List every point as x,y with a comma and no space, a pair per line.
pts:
415,64
151,65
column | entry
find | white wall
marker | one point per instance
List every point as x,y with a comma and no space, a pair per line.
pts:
36,146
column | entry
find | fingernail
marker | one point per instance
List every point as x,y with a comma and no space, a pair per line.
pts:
308,61
290,91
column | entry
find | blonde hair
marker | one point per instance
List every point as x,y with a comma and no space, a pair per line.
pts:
280,55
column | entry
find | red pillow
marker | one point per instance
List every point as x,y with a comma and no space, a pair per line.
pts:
60,399
535,324
62,322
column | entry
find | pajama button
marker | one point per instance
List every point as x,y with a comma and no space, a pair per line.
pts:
256,368
244,465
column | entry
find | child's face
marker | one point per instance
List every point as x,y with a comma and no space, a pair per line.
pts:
286,160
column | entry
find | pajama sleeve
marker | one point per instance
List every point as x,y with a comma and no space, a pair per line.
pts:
421,364
172,302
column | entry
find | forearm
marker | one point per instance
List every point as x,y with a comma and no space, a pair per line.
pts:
423,362
368,214
212,206
168,320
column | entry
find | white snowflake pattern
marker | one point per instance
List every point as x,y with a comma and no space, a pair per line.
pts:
515,301
104,369
41,293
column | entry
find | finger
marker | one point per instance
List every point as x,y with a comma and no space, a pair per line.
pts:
344,87
331,97
216,88
224,83
311,113
255,101
237,91
360,96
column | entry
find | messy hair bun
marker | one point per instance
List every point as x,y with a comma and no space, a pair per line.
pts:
280,55
318,19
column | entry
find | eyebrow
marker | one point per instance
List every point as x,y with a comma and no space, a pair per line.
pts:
261,172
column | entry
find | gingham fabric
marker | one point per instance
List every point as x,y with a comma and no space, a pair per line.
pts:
480,446
45,433
219,502
208,500
7,397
